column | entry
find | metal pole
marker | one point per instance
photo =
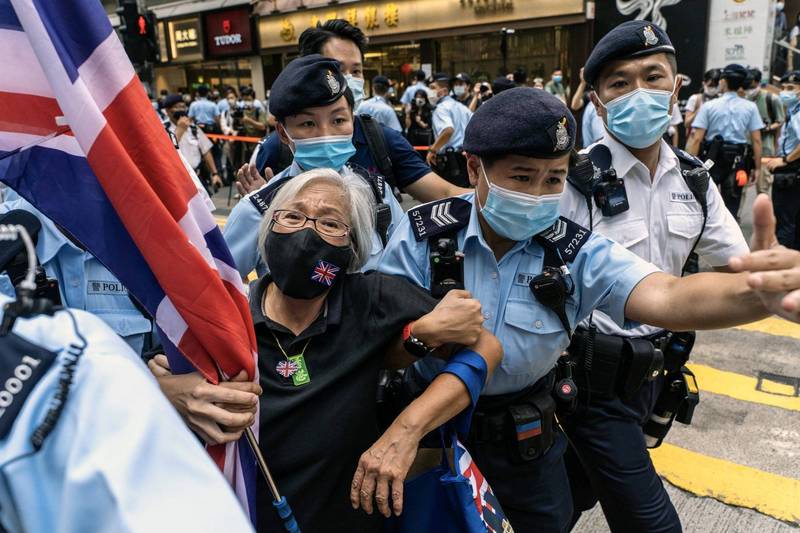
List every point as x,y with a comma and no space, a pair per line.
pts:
262,464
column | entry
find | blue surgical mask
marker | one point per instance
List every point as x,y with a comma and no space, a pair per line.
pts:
789,98
557,79
638,119
332,151
357,88
515,215
459,90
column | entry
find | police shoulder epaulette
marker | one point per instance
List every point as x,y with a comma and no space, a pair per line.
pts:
22,365
441,216
263,196
566,237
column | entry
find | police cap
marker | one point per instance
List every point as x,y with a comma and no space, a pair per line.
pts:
308,81
502,84
734,71
791,77
441,76
171,100
634,38
380,80
463,76
521,121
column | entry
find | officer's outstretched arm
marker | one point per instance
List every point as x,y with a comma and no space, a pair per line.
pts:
383,468
693,146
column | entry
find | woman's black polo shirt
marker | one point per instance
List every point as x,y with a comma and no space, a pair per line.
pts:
312,435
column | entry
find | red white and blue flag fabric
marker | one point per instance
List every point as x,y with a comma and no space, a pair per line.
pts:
79,140
486,503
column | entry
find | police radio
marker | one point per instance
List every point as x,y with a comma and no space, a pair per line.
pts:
550,288
447,266
610,194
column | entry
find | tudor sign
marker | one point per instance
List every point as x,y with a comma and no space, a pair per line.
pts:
229,33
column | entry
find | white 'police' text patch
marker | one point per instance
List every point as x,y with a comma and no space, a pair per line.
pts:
113,288
684,197
523,279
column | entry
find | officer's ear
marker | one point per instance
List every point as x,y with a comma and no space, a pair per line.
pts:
473,169
598,105
677,88
282,135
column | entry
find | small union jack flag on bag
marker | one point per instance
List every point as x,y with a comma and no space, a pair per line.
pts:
324,272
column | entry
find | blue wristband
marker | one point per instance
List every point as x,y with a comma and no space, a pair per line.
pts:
471,369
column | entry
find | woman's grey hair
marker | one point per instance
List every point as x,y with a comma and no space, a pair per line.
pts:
359,199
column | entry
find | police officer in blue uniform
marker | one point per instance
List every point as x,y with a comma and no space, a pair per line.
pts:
786,168
84,283
450,120
537,276
727,130
89,443
378,107
379,149
658,204
314,111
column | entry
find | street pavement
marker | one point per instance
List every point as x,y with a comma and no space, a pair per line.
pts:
736,469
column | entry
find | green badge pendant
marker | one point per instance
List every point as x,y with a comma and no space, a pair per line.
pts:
301,377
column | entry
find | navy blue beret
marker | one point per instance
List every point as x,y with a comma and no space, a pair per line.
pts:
633,38
171,100
383,80
308,81
441,76
733,71
521,121
791,77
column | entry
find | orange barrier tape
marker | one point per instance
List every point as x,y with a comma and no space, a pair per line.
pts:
218,137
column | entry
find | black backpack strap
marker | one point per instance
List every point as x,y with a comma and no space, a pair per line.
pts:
383,213
697,179
376,141
439,217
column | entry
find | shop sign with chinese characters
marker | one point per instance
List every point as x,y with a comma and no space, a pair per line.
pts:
409,16
740,31
185,39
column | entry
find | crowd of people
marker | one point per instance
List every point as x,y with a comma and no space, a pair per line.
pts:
541,301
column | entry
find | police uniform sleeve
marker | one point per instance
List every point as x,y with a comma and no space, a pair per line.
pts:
204,142
241,235
192,113
722,238
392,121
404,256
441,119
408,166
701,119
755,123
605,273
119,458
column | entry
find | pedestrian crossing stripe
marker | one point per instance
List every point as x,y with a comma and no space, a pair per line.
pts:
728,482
745,388
774,326
220,221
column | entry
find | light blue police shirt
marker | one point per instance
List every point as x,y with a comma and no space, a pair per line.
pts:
730,116
204,111
83,281
241,230
411,90
604,274
592,127
379,109
119,459
790,133
449,113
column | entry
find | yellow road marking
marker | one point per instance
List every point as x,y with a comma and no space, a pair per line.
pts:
742,387
220,221
729,482
774,326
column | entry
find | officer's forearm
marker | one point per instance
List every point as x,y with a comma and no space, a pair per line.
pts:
209,160
707,300
757,149
794,155
693,146
442,140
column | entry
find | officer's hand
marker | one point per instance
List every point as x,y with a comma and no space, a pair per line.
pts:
431,159
774,163
217,413
383,467
184,122
248,179
763,237
457,319
775,276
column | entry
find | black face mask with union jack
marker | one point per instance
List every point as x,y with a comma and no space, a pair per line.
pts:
303,265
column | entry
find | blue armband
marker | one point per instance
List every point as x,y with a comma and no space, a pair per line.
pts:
472,370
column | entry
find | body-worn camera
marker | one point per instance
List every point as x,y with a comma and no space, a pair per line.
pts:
610,195
447,267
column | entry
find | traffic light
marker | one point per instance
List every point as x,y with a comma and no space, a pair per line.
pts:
138,32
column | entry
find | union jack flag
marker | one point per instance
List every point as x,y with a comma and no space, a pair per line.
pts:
80,141
287,368
486,502
325,272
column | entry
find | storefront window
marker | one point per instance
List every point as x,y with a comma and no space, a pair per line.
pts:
219,74
392,61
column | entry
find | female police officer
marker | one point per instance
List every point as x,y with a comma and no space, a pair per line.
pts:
536,276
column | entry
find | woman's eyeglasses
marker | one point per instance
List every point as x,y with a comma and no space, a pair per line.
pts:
295,219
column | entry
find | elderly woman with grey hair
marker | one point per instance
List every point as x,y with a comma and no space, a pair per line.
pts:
324,332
